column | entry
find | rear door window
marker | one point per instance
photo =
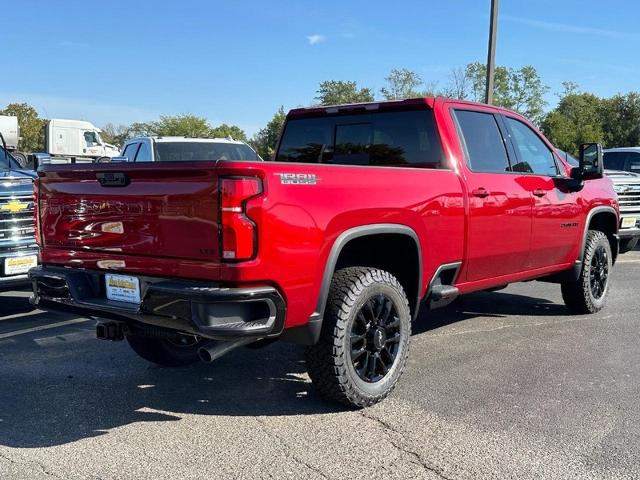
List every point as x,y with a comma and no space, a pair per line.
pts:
482,141
398,139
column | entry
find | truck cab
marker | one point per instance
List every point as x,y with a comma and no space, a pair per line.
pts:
18,249
71,141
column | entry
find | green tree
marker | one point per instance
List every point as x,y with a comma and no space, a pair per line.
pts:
265,140
577,119
228,131
520,89
116,135
621,120
185,126
405,83
31,126
178,125
336,92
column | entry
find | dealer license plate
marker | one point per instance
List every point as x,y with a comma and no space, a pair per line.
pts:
122,288
19,265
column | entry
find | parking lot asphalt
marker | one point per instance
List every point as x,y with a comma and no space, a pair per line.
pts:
498,385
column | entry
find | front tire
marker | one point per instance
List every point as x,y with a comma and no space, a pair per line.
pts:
180,352
589,293
364,339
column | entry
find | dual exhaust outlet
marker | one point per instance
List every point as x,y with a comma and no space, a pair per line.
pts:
116,331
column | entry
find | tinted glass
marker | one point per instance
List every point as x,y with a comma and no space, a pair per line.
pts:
614,160
144,153
533,154
202,151
634,162
7,161
398,139
570,159
130,151
483,142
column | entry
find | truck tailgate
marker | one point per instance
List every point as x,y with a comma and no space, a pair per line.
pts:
140,210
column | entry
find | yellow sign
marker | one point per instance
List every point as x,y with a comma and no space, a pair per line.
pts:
121,283
14,207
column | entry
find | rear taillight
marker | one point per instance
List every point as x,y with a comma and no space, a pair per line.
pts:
239,238
36,212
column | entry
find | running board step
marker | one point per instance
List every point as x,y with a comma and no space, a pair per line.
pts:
442,295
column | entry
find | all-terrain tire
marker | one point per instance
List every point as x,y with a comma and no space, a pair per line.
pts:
164,352
579,296
353,293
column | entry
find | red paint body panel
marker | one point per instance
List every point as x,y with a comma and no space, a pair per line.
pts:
166,221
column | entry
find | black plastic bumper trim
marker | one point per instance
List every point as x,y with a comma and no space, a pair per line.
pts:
209,310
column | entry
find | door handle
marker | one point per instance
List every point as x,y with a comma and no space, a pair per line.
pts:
480,192
538,192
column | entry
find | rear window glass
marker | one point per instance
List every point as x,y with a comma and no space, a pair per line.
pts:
202,151
401,139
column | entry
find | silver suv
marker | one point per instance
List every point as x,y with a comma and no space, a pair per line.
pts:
627,186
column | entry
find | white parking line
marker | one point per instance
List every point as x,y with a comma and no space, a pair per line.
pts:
44,327
628,261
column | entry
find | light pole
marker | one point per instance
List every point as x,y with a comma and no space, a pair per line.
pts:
491,54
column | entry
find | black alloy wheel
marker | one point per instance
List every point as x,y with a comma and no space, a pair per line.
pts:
375,339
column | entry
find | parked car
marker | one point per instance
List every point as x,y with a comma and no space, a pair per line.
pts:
75,141
368,212
184,149
18,249
10,130
627,185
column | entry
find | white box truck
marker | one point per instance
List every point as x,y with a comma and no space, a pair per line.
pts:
71,141
11,132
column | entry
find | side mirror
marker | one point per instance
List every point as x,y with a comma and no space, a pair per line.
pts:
591,163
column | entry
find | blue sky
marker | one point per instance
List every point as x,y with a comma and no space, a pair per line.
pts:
238,61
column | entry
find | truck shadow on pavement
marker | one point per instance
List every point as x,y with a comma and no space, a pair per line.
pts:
65,386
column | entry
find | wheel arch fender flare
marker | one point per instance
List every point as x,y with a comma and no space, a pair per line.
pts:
363,231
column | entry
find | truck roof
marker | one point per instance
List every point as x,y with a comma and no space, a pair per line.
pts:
62,122
178,139
384,105
622,149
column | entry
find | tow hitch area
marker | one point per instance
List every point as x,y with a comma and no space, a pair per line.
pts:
111,330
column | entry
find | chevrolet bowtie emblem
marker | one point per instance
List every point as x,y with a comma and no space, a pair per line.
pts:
14,206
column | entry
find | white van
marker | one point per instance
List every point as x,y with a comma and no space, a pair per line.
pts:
75,140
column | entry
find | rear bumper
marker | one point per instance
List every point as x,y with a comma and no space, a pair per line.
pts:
209,310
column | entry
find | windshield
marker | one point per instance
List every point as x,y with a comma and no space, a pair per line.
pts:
202,151
7,161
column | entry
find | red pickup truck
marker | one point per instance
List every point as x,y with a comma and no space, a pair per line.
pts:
368,212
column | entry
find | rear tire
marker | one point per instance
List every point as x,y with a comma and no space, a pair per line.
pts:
364,339
628,244
21,158
167,353
589,293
